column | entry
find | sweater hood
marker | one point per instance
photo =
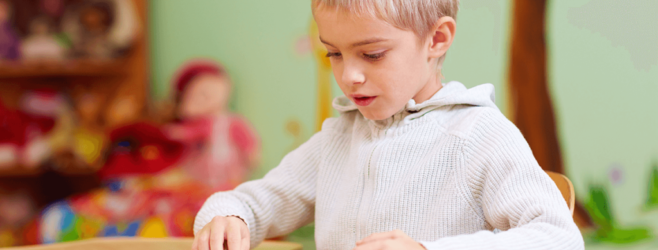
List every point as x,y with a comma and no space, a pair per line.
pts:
452,93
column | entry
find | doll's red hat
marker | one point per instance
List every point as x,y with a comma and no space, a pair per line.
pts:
193,68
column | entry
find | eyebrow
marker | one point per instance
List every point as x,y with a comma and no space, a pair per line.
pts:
357,44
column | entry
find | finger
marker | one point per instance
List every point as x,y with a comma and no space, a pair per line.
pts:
373,245
245,243
203,243
377,237
197,238
246,236
195,244
233,236
217,237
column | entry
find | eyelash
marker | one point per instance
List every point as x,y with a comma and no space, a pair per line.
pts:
371,57
374,57
333,54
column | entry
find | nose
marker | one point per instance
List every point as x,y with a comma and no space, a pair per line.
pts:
352,74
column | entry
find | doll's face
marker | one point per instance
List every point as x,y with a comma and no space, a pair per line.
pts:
94,19
89,106
205,95
39,27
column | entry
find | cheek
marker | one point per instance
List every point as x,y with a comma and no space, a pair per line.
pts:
337,69
410,73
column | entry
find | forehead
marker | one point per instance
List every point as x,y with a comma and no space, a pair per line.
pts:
340,27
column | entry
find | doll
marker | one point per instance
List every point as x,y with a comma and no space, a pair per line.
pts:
40,109
41,43
16,207
101,29
88,26
123,108
9,137
221,146
9,42
24,132
79,139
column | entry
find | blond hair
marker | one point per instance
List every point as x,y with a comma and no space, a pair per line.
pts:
418,16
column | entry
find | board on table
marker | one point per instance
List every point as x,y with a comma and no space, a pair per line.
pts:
130,243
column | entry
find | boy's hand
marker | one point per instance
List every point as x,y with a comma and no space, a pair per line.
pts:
232,229
388,240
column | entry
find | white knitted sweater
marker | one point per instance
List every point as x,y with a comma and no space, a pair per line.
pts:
447,172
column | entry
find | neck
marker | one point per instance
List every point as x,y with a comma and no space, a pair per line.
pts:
432,86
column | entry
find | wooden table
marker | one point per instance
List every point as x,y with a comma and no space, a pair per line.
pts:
130,243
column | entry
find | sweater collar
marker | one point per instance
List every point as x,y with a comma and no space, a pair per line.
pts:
452,93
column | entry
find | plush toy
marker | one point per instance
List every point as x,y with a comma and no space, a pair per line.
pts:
9,42
101,28
24,132
221,147
139,149
41,43
40,109
9,137
78,139
16,208
123,108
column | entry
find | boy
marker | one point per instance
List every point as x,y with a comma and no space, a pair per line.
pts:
411,163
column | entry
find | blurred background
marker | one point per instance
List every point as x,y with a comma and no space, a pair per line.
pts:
113,113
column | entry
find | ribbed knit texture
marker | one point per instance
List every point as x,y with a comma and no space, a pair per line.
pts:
447,172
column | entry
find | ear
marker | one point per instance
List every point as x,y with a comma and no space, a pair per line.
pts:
441,37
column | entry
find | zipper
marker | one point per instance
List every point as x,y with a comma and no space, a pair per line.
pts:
365,199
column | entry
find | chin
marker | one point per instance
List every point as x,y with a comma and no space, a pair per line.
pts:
375,115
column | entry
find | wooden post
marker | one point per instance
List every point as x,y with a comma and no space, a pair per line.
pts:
530,105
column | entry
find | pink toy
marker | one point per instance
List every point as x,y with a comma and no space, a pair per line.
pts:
221,146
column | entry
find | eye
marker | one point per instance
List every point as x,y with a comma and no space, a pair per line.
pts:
374,57
334,54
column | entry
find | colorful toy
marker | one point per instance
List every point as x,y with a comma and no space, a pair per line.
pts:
139,149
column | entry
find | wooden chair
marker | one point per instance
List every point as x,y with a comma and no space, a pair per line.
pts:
566,188
137,243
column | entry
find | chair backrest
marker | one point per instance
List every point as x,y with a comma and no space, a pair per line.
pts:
137,243
566,188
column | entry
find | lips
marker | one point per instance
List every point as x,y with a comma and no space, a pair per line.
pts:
363,100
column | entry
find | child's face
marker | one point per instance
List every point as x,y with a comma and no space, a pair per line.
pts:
378,66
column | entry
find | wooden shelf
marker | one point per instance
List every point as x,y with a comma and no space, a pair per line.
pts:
20,171
69,68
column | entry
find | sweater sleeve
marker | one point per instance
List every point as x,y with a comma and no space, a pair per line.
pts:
281,202
514,194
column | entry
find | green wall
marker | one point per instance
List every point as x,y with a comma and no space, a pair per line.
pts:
604,81
256,42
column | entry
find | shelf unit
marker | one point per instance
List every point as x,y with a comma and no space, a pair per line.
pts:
115,78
